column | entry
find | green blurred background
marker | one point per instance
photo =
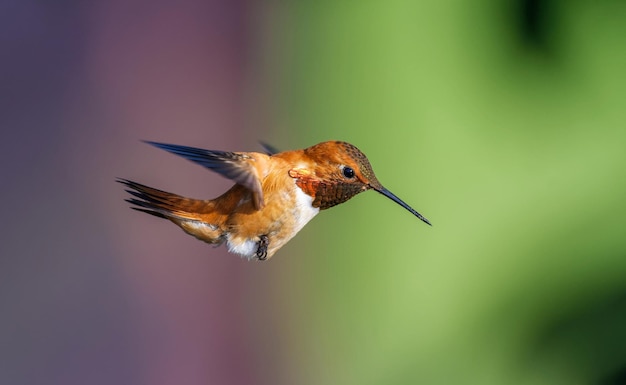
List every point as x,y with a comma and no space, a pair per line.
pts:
500,121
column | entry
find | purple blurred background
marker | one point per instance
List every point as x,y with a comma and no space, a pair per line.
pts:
95,293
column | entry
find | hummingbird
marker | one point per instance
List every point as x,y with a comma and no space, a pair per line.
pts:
274,196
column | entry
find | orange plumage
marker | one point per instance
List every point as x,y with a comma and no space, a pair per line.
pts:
275,195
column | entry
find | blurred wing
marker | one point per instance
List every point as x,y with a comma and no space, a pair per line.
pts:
238,167
269,149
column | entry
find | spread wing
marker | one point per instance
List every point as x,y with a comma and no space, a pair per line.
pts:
236,166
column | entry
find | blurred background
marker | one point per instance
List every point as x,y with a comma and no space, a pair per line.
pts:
500,121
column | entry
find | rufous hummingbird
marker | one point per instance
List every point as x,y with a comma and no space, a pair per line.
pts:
275,194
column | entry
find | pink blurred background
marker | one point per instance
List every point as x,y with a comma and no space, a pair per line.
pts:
91,291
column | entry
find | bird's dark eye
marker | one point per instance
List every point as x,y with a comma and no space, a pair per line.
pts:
348,172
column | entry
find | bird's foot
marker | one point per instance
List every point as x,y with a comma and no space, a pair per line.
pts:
261,252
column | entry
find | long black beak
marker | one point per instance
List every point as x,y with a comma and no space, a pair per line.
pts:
399,201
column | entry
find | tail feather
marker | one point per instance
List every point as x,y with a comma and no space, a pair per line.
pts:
147,211
163,204
196,217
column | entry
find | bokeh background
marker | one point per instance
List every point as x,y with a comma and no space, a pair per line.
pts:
503,122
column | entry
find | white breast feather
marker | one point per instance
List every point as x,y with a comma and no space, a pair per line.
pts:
304,210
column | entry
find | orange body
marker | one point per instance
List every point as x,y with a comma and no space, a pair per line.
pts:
273,198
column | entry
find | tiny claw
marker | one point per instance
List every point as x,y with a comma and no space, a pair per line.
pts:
261,252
